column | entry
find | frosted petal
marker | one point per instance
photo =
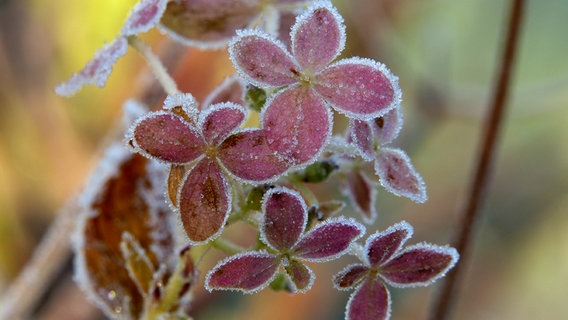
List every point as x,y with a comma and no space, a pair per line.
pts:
362,194
284,218
184,100
208,23
230,90
350,276
97,71
381,246
144,17
419,265
219,120
371,301
247,156
318,37
248,272
387,127
137,262
302,277
167,137
397,175
361,134
360,88
328,240
262,60
297,124
204,201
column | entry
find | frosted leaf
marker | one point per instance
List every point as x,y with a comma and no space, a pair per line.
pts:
381,246
219,120
137,263
350,276
386,128
297,124
248,272
230,90
262,60
301,276
284,218
184,100
328,240
208,23
363,195
419,265
204,201
370,301
175,178
97,71
167,137
361,134
247,156
397,175
360,88
128,201
325,210
318,37
144,17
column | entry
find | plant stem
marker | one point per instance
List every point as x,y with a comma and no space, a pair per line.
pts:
48,257
226,246
488,147
155,65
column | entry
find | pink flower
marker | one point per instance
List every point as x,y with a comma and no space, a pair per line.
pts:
212,146
297,119
386,261
394,168
282,229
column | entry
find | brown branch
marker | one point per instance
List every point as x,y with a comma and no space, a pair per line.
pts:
478,188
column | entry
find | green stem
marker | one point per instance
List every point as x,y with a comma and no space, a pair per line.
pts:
226,246
155,65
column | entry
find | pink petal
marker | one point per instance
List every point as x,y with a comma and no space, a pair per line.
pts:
248,272
350,276
387,127
297,124
371,301
219,120
397,175
362,194
167,137
97,70
262,60
204,201
360,88
419,265
302,277
328,240
361,134
284,218
207,23
247,156
381,246
230,90
318,37
144,17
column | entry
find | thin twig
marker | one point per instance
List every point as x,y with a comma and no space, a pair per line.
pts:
488,147
48,257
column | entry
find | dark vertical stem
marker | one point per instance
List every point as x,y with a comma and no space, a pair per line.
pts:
488,146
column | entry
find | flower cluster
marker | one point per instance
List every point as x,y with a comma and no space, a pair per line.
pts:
220,171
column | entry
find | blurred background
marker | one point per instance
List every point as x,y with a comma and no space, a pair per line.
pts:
444,52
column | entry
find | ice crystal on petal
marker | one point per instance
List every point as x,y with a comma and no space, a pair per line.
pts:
144,17
385,259
97,71
363,194
302,277
184,100
218,121
397,175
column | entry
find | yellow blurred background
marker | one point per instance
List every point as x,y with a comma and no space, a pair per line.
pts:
444,52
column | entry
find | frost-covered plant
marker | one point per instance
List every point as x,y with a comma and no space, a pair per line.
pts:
215,171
